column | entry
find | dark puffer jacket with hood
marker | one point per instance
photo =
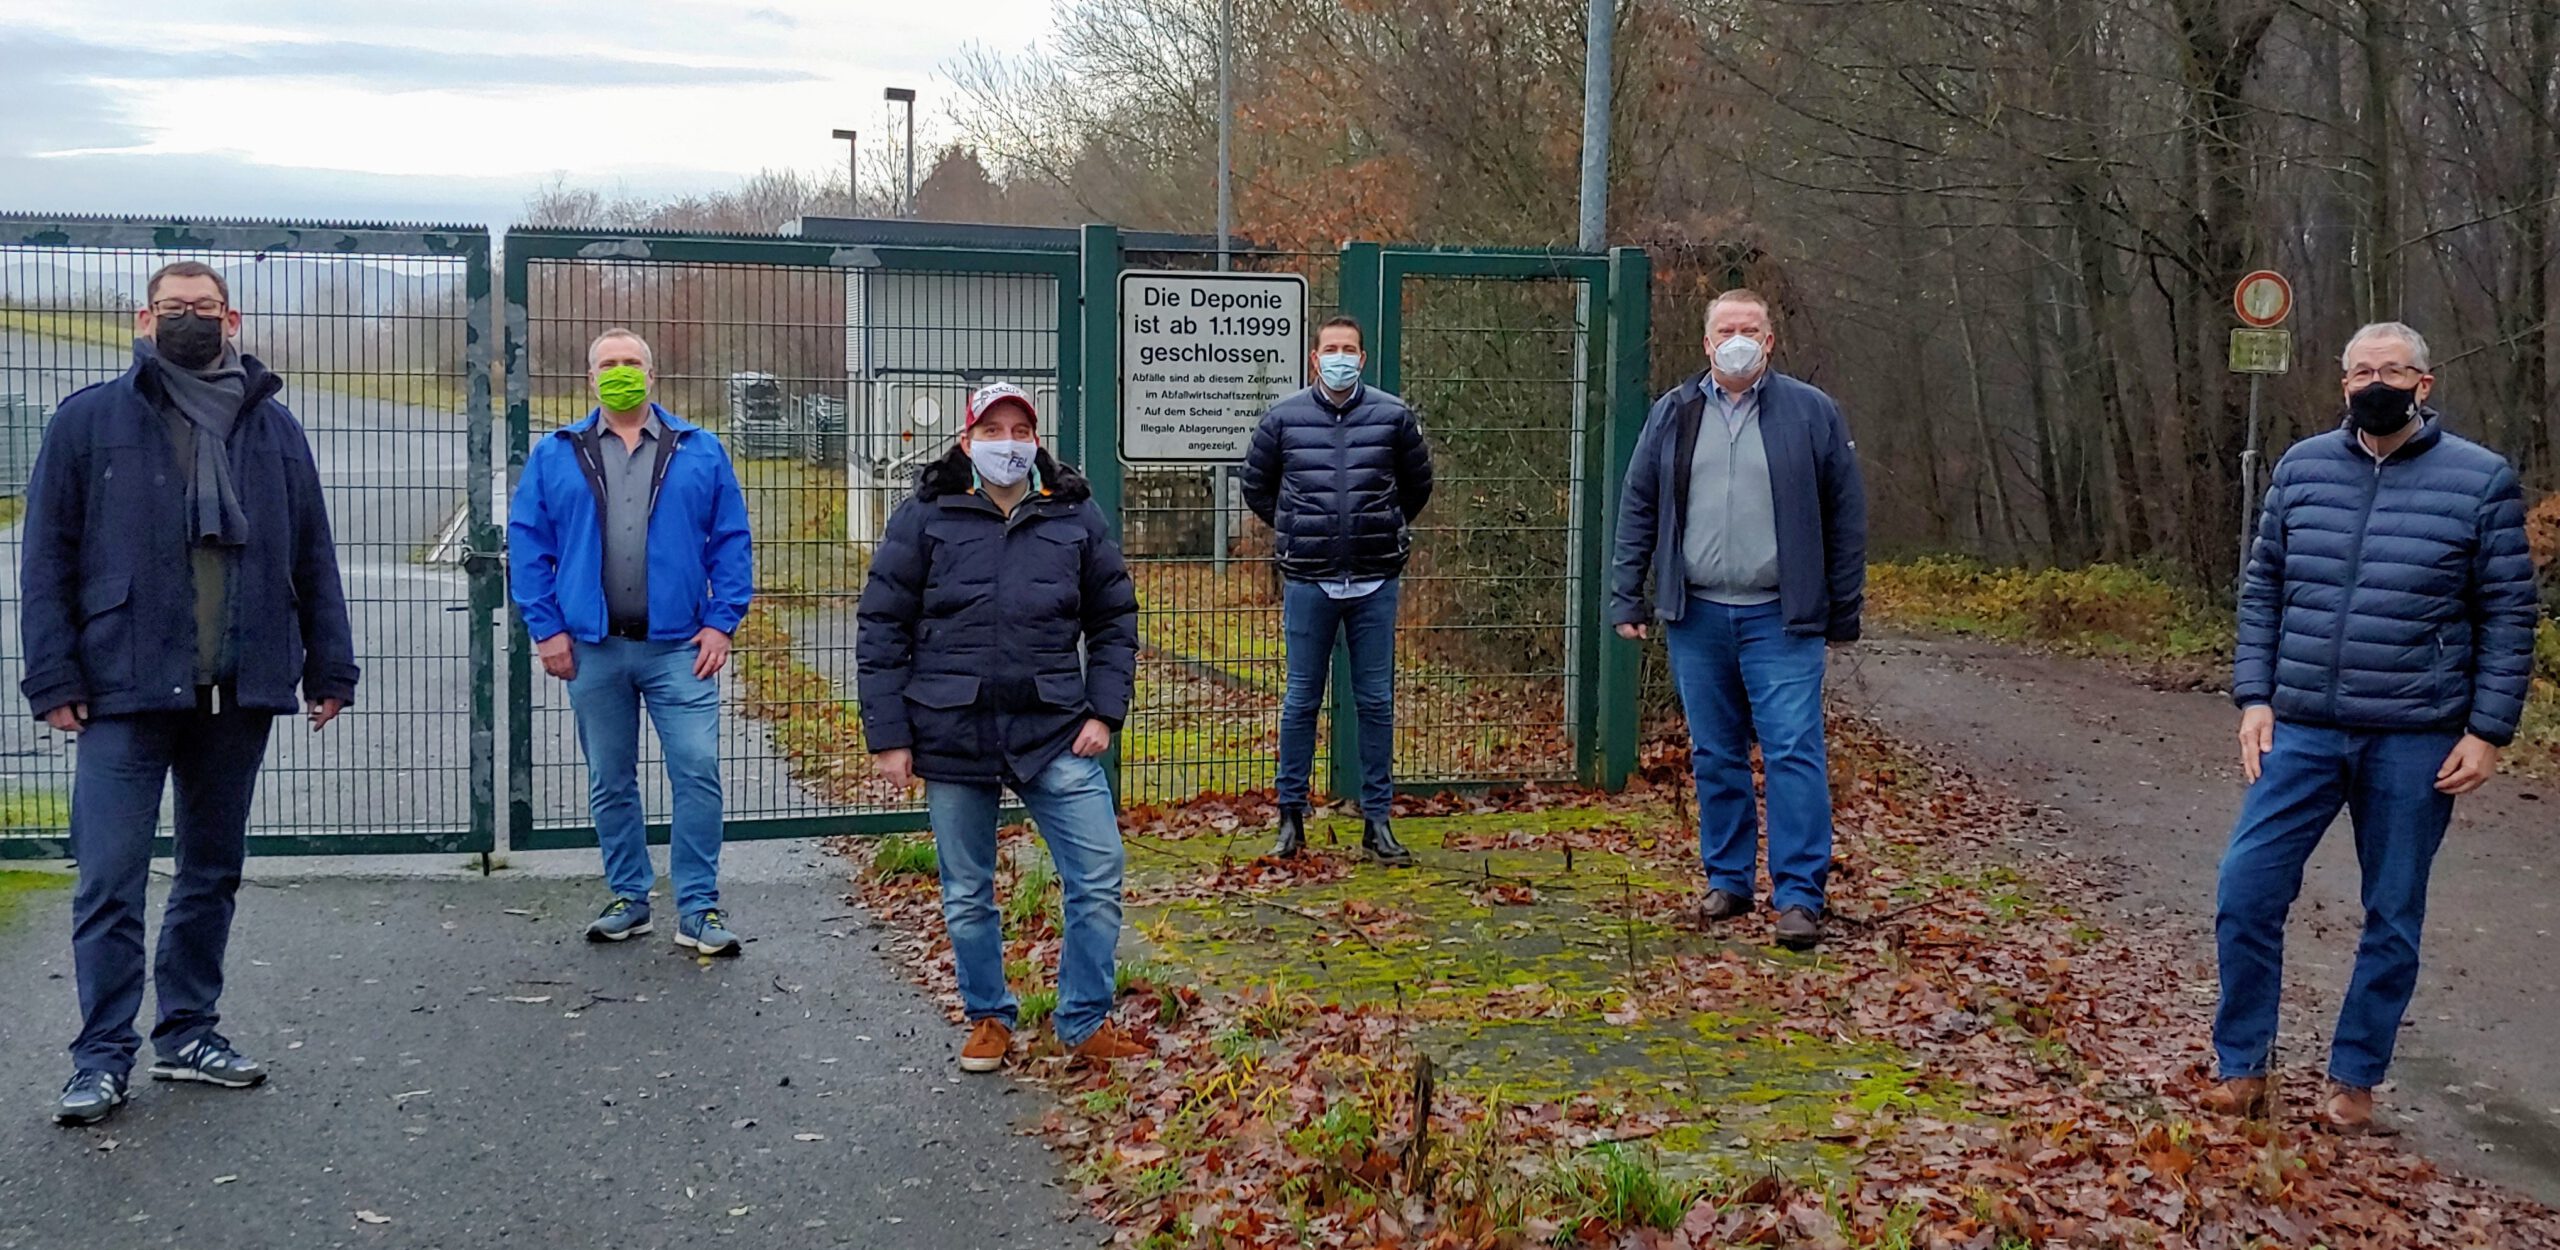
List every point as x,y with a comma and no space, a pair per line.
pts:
986,641
2390,595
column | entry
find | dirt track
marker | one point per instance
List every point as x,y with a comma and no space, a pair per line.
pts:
2146,783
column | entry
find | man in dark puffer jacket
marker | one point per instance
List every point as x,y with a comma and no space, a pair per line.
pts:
2386,643
1339,471
998,648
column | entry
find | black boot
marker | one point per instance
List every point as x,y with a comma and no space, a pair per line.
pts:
1380,842
1293,833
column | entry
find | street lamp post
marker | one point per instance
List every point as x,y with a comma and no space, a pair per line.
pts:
852,170
907,96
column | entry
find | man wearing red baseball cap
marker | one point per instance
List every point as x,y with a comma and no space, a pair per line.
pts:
999,649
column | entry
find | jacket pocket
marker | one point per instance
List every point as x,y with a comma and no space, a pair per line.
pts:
106,633
1061,690
942,690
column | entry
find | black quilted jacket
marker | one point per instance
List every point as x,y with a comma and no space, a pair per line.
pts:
1339,486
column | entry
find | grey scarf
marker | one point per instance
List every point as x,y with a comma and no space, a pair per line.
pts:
210,399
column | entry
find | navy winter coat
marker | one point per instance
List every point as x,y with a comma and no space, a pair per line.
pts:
107,589
1339,486
1813,479
987,641
2396,595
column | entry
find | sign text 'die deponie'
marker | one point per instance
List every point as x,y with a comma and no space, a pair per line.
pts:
1201,356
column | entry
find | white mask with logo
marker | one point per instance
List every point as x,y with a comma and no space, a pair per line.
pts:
1002,463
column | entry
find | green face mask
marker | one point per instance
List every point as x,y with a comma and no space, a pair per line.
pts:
622,387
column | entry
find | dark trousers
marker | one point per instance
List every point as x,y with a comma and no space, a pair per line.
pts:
115,809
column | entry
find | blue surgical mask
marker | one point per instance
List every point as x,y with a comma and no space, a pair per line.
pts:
1340,370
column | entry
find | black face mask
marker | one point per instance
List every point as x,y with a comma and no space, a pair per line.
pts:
189,340
2381,408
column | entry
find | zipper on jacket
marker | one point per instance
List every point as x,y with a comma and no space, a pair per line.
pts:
2347,600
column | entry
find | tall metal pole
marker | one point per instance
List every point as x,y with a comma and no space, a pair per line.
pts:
852,169
1226,126
907,96
2248,489
1601,27
1218,475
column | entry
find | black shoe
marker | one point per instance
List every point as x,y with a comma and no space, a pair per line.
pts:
211,1060
92,1095
1799,929
1723,905
1293,833
1380,842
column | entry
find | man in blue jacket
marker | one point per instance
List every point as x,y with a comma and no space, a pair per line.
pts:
632,565
178,581
2386,644
1339,471
1745,524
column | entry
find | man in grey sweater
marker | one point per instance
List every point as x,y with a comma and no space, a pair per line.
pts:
1745,524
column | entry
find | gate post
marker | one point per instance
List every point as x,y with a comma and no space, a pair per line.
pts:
1364,298
1099,420
1630,354
486,564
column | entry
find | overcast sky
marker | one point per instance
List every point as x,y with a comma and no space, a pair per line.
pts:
451,110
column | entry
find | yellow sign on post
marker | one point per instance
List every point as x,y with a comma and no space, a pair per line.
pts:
2261,351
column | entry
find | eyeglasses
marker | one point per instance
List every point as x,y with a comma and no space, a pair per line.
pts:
2397,375
202,308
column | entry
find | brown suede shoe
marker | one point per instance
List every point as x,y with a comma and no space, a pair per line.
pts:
2349,1110
2248,1097
985,1050
1107,1045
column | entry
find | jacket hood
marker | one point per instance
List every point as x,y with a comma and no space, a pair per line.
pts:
953,475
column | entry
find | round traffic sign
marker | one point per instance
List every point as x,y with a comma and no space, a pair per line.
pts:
2263,299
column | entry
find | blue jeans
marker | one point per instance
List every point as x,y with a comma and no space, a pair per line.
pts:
121,763
1310,621
1070,804
2387,783
1741,674
615,677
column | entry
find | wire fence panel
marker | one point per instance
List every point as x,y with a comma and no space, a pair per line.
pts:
1501,370
832,379
1211,669
378,333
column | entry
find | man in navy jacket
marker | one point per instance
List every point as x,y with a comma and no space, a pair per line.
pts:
1339,471
2386,644
1745,524
178,583
632,565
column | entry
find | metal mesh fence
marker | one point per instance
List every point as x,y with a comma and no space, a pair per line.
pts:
831,389
369,330
1501,371
1212,669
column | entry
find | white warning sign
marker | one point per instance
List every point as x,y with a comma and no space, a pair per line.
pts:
1201,356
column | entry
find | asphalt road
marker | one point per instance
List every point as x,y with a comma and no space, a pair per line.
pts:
803,1095
2146,783
393,474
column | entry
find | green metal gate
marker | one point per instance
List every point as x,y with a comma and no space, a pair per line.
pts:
382,335
831,367
831,371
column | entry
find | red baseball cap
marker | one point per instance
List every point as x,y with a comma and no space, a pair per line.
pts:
983,401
